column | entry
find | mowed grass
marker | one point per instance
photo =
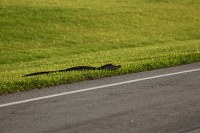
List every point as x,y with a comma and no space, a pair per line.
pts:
44,35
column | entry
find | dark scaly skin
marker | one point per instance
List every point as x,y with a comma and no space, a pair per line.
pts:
78,68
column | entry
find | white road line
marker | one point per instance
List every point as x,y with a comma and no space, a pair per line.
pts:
94,88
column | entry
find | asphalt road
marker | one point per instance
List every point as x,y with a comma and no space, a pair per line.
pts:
161,104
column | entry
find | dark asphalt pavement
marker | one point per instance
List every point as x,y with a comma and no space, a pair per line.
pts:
168,104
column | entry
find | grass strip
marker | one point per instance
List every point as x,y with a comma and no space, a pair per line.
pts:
140,35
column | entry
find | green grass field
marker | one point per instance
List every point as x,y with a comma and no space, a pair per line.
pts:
44,35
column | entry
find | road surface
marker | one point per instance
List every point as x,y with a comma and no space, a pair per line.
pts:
159,101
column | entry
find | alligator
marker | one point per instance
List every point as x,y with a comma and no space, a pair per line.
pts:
78,68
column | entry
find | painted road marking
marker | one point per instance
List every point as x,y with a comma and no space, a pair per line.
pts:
95,88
